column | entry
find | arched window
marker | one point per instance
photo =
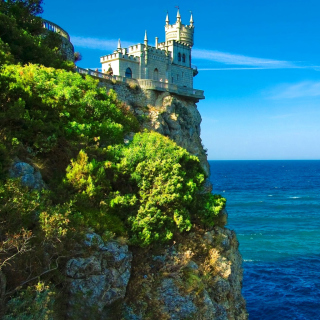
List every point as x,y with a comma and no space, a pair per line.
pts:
179,56
128,73
156,74
183,58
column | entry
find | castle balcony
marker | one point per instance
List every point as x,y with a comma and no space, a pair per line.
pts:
66,48
169,87
55,28
147,84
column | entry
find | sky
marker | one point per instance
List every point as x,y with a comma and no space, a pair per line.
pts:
258,62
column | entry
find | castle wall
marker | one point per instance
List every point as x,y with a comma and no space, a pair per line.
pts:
157,60
177,48
181,76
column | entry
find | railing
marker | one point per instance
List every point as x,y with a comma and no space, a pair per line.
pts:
104,75
147,83
55,28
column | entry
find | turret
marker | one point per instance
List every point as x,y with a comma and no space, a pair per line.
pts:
146,39
178,16
180,32
191,20
167,19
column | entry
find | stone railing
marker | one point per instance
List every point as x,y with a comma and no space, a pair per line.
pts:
55,28
101,75
147,84
164,86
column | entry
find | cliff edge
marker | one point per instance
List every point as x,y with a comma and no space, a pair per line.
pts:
199,276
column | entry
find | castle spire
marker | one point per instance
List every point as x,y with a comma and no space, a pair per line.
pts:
191,19
178,15
146,39
119,44
167,18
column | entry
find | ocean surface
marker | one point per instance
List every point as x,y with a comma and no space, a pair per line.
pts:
274,207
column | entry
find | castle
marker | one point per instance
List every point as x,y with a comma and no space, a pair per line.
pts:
168,62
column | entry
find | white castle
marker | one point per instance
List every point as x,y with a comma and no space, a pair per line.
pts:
168,62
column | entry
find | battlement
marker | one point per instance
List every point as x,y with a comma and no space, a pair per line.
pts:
119,55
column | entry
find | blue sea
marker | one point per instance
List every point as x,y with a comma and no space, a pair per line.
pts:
274,207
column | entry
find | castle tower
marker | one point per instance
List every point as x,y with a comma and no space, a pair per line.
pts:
180,32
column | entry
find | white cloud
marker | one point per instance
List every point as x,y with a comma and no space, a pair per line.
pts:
98,44
299,90
241,60
244,62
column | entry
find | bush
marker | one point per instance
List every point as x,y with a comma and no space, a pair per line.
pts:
36,302
152,185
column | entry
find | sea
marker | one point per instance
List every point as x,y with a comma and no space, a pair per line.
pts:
274,207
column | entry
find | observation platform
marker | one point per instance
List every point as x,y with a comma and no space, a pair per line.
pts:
147,84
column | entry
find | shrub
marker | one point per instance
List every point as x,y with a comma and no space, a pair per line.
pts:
35,302
152,185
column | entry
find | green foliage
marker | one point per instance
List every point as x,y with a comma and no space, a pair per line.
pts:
5,54
36,302
208,208
4,161
22,32
152,186
47,109
166,178
18,207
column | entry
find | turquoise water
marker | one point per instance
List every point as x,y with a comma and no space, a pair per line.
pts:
274,207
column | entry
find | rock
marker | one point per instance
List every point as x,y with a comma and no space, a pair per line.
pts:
177,306
97,281
93,240
29,177
83,267
198,277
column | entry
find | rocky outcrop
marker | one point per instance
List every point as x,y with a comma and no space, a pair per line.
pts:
172,115
29,176
199,277
98,277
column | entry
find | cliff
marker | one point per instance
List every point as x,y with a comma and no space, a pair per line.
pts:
80,229
171,115
199,276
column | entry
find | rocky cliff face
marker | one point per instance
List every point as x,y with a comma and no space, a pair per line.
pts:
199,276
173,116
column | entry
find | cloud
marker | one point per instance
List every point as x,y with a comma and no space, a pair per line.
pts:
240,60
303,89
231,69
235,61
98,44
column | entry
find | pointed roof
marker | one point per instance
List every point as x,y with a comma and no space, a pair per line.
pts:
167,18
178,15
145,36
191,19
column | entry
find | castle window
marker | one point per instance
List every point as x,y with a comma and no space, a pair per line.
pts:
128,73
179,56
156,74
183,58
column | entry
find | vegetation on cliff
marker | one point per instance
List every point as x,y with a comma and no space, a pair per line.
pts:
72,131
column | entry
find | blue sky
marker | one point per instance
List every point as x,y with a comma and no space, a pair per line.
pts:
258,62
